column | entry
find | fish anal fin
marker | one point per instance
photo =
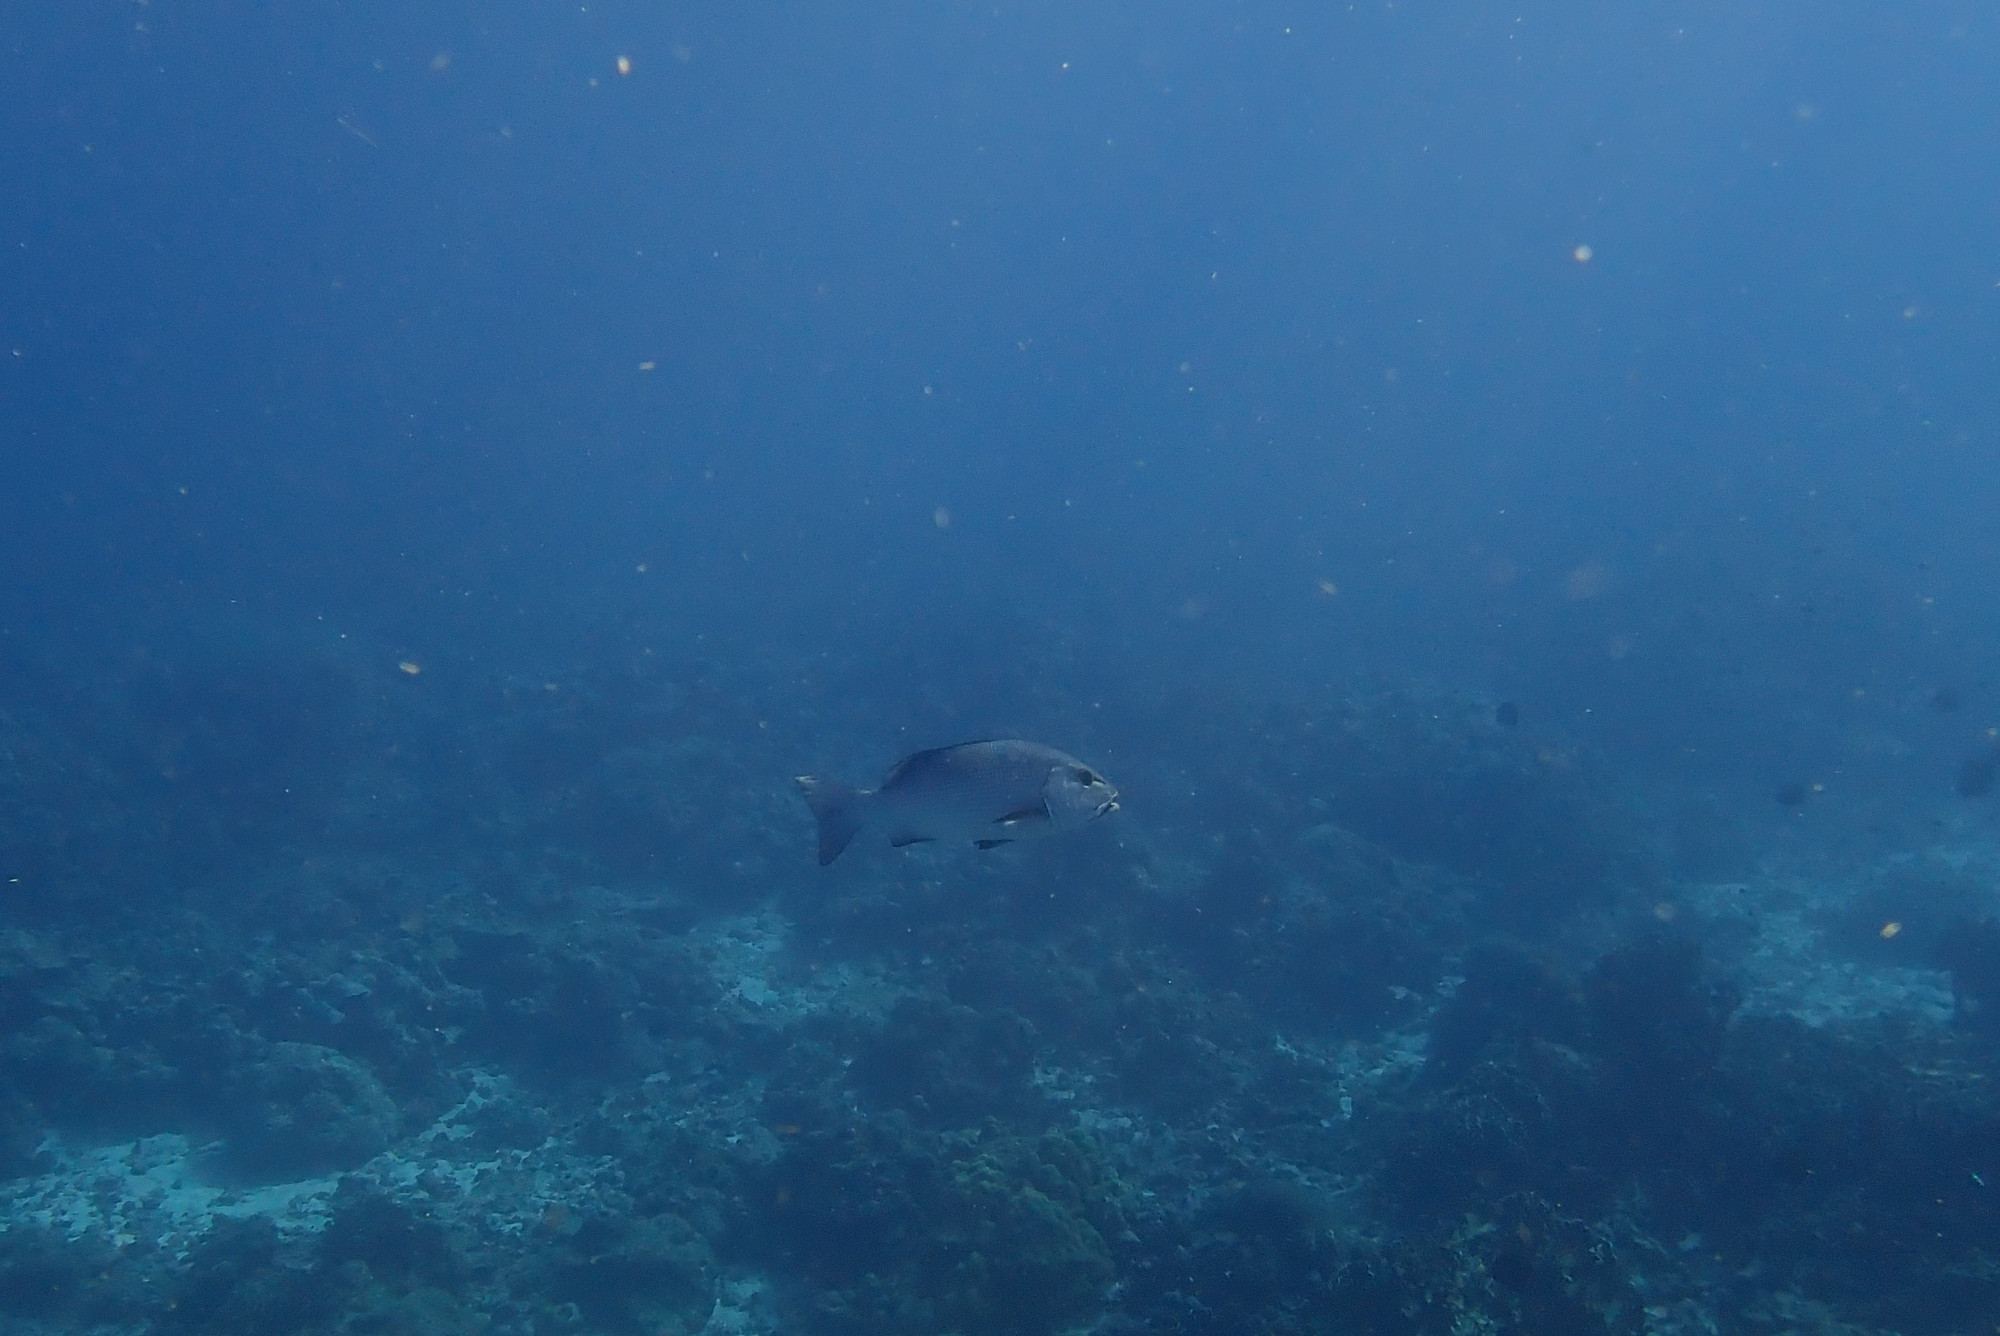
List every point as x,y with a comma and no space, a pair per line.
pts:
991,844
904,841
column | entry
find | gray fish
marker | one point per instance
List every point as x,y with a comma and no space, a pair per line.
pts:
985,792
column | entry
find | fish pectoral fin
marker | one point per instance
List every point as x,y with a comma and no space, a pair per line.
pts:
991,844
1039,812
902,841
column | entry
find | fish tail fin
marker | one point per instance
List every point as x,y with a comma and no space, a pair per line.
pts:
838,810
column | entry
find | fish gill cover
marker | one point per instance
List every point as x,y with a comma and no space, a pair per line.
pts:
1505,494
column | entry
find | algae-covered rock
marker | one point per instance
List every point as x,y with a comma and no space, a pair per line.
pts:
1015,1234
962,1232
300,1110
237,1282
948,1065
50,1278
393,1240
654,1276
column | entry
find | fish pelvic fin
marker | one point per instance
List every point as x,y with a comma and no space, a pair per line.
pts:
837,809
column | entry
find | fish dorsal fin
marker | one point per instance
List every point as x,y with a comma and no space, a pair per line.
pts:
918,761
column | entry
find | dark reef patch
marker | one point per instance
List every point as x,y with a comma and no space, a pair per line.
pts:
236,1281
1359,1036
1331,932
298,1110
1970,950
977,1233
394,1241
1507,997
1435,779
948,1065
633,1277
551,1009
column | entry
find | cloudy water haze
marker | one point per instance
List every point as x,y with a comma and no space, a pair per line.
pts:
1505,494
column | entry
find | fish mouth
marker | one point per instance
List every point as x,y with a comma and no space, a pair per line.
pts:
1108,805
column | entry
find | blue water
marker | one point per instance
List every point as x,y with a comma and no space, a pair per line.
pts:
1506,493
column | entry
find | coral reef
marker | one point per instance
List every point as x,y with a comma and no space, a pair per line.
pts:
1396,1027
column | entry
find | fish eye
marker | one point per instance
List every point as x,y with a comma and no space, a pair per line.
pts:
1083,776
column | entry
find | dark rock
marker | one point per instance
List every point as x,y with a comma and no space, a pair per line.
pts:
1971,951
653,1277
237,1283
297,1110
1507,995
553,1010
922,1234
948,1065
48,1278
393,1241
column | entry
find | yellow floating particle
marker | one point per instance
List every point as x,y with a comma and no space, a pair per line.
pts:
941,517
647,366
1329,588
1582,254
624,66
410,667
1890,929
